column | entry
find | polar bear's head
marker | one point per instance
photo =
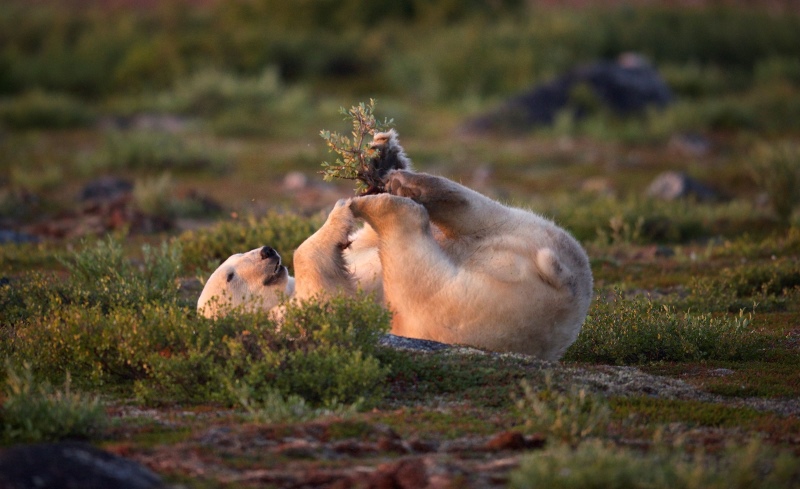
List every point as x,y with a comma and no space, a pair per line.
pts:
255,280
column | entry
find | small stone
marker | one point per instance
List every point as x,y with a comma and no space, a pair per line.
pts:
105,189
294,181
673,185
507,440
721,372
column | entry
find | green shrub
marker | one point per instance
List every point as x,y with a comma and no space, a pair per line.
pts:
568,416
101,274
112,346
776,169
442,51
154,197
778,69
694,80
156,152
323,352
636,220
34,412
210,93
206,249
783,243
41,110
748,286
635,331
275,408
27,257
596,465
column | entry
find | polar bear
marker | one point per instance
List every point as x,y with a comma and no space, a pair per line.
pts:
333,260
452,265
257,280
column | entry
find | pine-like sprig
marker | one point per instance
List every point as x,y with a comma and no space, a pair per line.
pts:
355,153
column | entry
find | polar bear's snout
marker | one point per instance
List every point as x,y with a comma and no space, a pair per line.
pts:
274,269
267,252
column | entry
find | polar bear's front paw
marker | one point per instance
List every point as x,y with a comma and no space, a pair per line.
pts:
403,184
342,219
384,211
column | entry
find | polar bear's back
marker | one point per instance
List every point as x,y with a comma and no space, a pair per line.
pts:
538,282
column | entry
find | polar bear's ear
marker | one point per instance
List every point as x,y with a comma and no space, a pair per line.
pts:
391,156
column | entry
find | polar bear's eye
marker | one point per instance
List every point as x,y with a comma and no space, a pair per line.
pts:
230,276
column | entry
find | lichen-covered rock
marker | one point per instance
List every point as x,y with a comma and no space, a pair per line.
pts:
71,465
626,86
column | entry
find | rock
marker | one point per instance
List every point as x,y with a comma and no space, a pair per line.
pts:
403,343
652,252
106,189
14,237
721,372
600,186
404,474
690,144
199,203
673,185
294,181
514,440
626,86
71,465
144,122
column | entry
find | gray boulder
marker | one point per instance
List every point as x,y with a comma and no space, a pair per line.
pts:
71,465
403,343
626,86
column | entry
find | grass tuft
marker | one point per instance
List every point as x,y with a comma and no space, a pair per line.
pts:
595,465
568,416
638,331
35,412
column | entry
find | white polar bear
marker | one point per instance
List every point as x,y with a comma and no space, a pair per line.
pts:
451,264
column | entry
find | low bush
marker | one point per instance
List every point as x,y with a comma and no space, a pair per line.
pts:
101,274
594,465
636,220
35,412
276,408
156,152
117,323
776,170
324,353
233,104
750,286
210,93
42,110
124,326
636,331
568,416
783,243
154,197
206,249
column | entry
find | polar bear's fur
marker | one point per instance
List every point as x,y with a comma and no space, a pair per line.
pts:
459,267
452,265
252,280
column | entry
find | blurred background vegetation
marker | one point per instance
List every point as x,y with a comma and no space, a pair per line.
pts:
207,106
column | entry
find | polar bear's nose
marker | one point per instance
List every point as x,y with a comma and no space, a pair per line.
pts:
267,252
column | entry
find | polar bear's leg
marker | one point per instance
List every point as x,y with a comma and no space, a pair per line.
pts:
415,269
455,209
320,268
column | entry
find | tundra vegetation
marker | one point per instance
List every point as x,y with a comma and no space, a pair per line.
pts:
686,373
